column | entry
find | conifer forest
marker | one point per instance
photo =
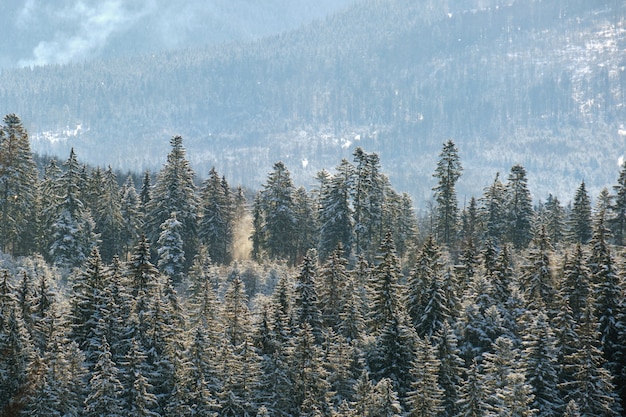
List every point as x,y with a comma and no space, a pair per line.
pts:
171,294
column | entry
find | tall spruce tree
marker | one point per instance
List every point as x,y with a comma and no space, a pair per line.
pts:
519,210
394,348
215,229
132,220
448,172
335,213
367,203
617,221
170,249
274,217
493,208
579,222
554,219
608,296
108,216
73,230
541,364
174,192
589,383
18,189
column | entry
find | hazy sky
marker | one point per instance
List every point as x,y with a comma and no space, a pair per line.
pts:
39,32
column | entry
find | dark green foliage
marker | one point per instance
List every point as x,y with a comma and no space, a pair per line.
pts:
519,210
448,172
617,221
18,188
493,208
215,229
335,213
579,222
367,202
174,192
554,219
275,222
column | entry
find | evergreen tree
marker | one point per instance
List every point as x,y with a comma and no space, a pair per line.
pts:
310,387
132,220
449,374
572,409
307,306
448,172
472,402
105,389
406,227
275,221
343,363
554,219
608,296
504,380
617,222
384,401
493,207
394,347
307,233
49,201
138,392
18,189
579,222
73,231
589,384
541,364
537,279
240,375
426,397
108,216
576,285
332,290
174,192
481,320
519,209
170,249
236,315
145,195
428,268
16,360
215,229
367,202
470,232
87,304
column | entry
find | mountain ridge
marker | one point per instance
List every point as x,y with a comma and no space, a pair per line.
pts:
523,82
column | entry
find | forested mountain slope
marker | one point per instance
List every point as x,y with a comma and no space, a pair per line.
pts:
39,32
540,83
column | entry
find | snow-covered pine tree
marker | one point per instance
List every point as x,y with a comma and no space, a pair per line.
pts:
18,189
73,229
448,172
105,390
617,221
541,364
426,397
171,249
174,192
215,228
579,226
519,209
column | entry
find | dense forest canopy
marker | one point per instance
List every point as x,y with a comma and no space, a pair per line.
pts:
178,296
539,83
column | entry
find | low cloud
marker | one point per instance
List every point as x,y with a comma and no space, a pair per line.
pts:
86,28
